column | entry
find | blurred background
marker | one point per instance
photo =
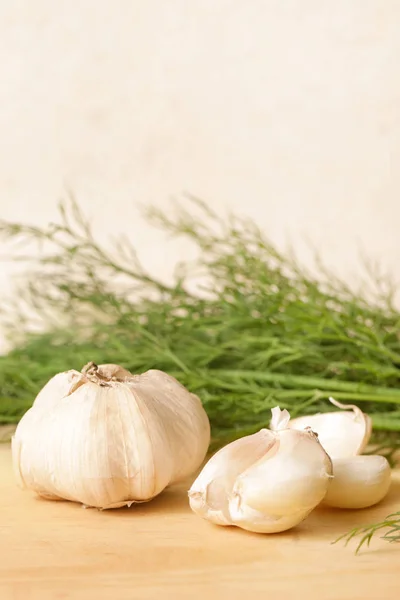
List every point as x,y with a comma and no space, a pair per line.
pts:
285,111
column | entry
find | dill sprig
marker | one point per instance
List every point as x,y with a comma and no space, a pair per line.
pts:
367,532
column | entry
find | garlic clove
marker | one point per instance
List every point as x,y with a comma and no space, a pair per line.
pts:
342,433
27,433
210,492
267,482
358,482
58,387
188,428
283,487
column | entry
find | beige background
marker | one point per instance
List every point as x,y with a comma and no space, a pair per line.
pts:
288,111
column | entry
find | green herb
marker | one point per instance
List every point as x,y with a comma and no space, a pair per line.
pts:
391,522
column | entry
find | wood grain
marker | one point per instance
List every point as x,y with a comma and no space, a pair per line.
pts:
58,550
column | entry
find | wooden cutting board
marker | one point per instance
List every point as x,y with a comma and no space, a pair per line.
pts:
161,550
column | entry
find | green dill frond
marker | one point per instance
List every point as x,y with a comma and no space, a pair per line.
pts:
367,532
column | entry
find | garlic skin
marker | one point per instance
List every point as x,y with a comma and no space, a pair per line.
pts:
279,491
267,482
106,438
341,433
209,493
57,387
358,482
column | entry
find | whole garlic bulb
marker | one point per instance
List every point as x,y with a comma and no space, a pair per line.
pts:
266,482
107,438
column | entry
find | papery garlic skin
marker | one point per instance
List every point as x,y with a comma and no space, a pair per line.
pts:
210,492
279,491
358,482
266,482
57,387
110,438
342,433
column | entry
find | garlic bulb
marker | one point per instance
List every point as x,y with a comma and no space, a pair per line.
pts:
266,482
358,482
107,438
342,433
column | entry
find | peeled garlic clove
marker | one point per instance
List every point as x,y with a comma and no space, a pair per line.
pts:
283,487
358,482
107,439
210,492
342,433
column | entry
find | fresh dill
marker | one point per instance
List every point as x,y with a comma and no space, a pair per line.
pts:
367,532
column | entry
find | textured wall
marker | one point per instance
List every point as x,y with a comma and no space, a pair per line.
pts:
285,110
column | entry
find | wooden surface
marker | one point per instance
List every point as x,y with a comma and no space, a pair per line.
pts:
58,550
